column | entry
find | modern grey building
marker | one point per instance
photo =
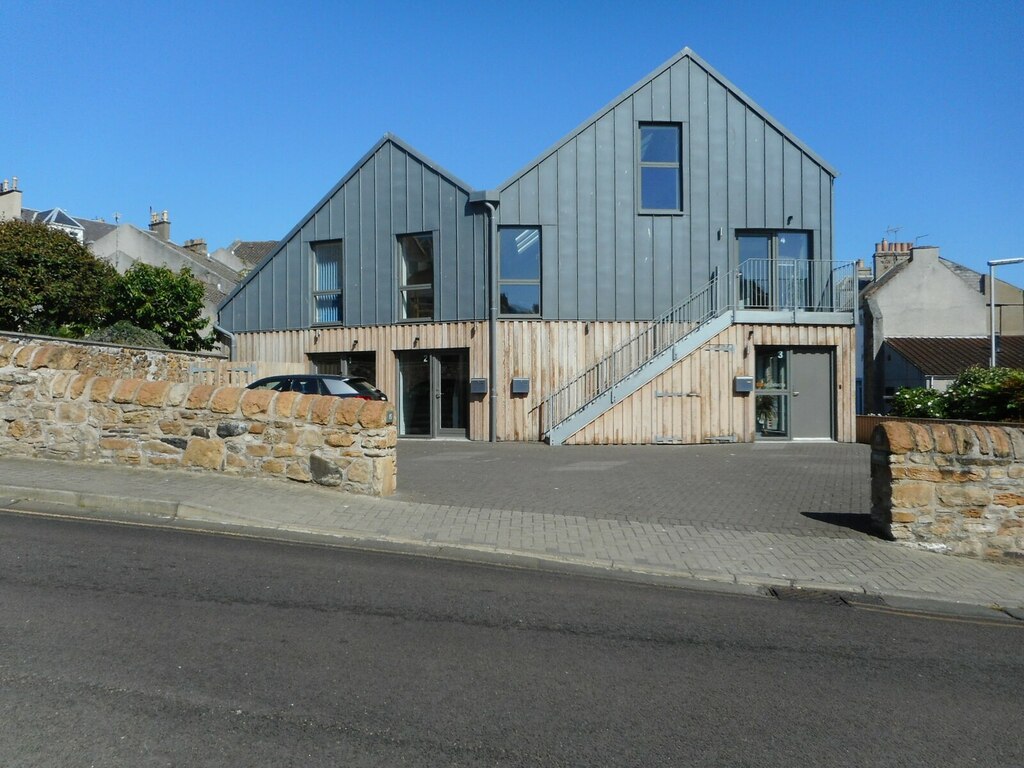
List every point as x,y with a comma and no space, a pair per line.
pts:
662,274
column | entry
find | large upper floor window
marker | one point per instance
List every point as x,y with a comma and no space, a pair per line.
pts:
660,161
519,271
777,271
416,277
327,258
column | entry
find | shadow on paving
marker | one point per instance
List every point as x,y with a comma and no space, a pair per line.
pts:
814,489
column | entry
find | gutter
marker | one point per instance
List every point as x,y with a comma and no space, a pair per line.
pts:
230,338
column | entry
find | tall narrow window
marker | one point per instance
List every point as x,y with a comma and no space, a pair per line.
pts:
660,167
519,271
416,276
327,287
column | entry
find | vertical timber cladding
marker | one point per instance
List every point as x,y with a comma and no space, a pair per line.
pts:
694,402
385,340
690,403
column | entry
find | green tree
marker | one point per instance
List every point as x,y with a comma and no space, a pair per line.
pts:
169,303
49,283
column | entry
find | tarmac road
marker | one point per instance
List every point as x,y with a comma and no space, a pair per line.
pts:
124,646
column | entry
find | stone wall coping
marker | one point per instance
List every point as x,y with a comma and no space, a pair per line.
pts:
954,439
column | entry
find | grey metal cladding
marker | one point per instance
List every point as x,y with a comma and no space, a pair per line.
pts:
392,190
741,170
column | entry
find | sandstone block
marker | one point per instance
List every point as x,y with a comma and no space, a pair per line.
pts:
964,496
23,356
377,414
22,428
257,429
981,435
1000,441
236,462
274,466
171,427
964,439
304,406
72,413
153,394
323,409
124,391
226,399
284,404
298,473
256,402
359,472
42,357
1008,499
913,495
348,411
178,393
60,383
922,437
385,469
204,453
116,443
1016,436
283,450
199,397
139,417
101,388
943,439
339,439
68,359
164,461
258,449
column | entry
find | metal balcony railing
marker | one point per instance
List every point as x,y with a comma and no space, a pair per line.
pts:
759,284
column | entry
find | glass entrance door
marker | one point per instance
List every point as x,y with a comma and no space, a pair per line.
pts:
774,270
794,394
434,393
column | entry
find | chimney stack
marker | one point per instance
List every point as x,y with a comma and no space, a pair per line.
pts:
160,225
197,246
888,255
10,200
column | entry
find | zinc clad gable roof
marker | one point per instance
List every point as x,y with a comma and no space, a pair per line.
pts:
282,244
713,73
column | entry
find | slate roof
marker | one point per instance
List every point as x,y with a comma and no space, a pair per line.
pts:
92,229
949,355
252,252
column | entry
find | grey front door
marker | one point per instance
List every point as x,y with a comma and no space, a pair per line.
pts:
812,392
433,393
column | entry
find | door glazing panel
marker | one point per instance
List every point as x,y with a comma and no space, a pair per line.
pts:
415,392
453,391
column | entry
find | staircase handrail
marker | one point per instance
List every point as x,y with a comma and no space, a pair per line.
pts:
703,305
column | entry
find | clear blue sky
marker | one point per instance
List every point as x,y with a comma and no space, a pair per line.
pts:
238,116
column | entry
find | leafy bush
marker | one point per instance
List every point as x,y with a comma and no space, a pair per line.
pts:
919,402
49,282
123,332
977,394
165,302
987,394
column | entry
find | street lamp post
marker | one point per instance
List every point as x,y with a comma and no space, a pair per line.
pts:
992,302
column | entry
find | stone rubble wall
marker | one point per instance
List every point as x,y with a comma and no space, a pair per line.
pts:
949,487
101,359
49,409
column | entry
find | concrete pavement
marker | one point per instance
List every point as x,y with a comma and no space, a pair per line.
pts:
737,518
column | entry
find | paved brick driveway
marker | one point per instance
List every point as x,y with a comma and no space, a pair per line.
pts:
818,489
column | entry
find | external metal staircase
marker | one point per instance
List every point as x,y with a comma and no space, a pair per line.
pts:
773,286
